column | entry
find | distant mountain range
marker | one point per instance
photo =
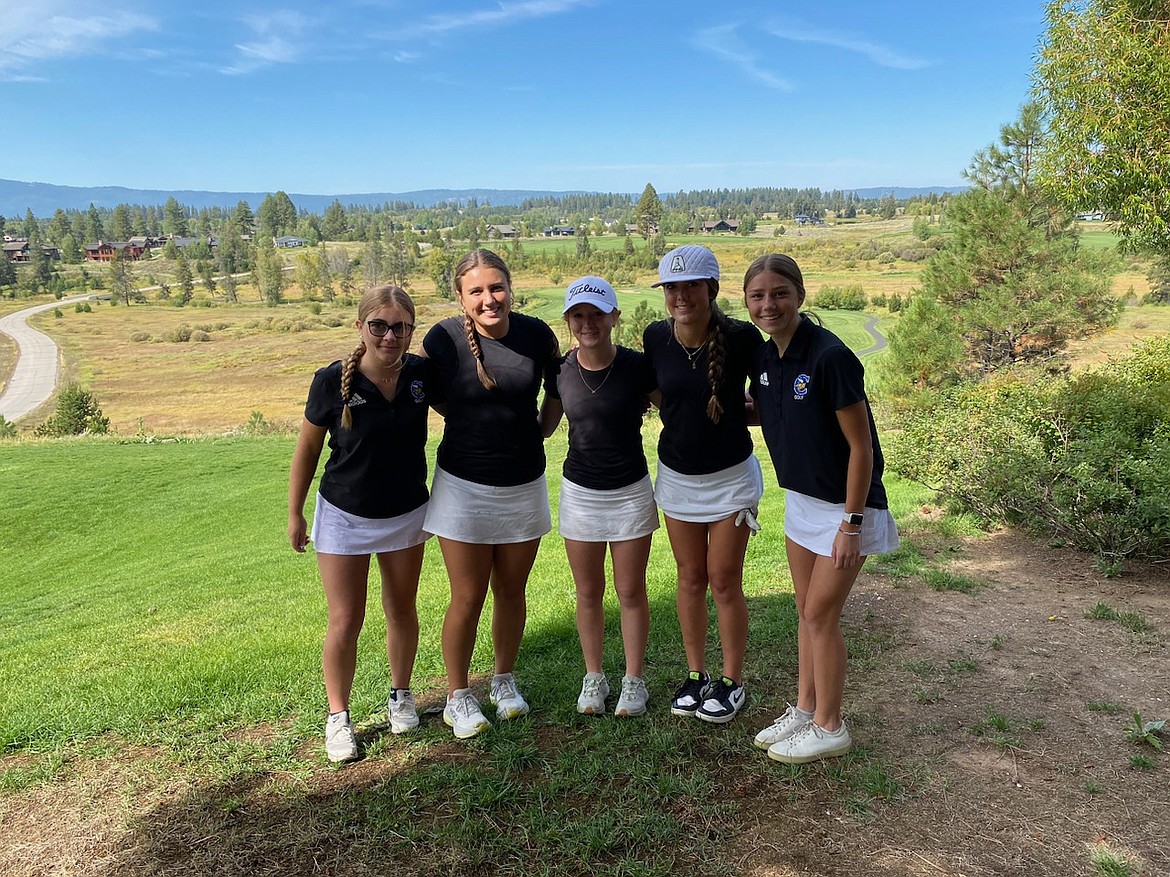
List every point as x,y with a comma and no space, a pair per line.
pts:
44,198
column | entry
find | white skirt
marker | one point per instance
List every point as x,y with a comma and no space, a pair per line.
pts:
812,523
711,497
486,515
607,515
338,532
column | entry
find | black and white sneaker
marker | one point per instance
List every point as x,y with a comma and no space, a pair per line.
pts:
691,694
723,701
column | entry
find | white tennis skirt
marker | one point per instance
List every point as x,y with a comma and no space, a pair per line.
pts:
338,532
607,515
711,497
486,515
812,523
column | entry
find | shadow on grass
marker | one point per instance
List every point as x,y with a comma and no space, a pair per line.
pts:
552,793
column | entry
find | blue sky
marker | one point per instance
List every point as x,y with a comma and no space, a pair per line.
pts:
606,95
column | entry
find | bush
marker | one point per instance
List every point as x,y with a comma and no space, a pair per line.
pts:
77,413
140,336
7,428
180,335
200,335
1085,460
82,307
896,303
886,258
845,298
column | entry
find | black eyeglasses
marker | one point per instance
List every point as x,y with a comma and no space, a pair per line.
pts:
379,328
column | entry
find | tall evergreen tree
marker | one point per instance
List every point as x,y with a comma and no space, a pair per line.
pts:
648,213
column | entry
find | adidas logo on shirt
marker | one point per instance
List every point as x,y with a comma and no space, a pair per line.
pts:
355,400
763,379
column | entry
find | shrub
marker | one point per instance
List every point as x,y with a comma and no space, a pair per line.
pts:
139,336
845,298
82,307
57,313
886,258
180,335
895,303
314,307
77,413
7,428
200,335
1084,459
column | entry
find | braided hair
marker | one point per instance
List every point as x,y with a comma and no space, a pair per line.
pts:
716,351
374,299
477,259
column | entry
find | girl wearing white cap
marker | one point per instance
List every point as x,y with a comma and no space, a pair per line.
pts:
709,482
809,390
606,494
489,500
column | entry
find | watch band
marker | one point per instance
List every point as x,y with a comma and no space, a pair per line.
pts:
855,519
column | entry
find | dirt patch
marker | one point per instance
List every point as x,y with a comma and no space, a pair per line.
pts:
990,730
1002,714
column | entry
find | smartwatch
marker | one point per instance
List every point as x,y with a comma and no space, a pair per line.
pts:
855,519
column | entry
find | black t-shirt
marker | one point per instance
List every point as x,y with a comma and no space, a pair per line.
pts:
798,397
690,443
604,409
492,436
377,468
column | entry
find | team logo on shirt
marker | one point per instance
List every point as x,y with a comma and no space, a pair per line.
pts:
800,386
763,379
417,392
355,400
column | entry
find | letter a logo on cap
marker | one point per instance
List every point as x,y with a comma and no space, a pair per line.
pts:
678,264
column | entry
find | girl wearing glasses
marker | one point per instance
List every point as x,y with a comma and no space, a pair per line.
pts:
371,500
489,500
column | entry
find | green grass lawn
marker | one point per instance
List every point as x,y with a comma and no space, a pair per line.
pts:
150,598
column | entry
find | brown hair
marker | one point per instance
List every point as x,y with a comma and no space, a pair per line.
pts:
374,299
777,263
715,351
477,259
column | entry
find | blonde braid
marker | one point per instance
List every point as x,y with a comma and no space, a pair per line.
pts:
715,357
348,367
485,377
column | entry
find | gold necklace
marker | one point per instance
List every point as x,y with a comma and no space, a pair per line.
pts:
593,390
692,358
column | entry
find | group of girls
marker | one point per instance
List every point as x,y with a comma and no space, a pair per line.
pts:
484,371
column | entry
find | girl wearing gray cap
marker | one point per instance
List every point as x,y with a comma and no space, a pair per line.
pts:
709,482
809,390
606,495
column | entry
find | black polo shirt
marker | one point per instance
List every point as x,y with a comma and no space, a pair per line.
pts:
798,397
492,436
377,468
690,443
604,409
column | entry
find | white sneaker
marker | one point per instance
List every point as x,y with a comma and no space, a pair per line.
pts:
594,691
340,742
783,727
634,697
401,711
811,743
506,697
463,716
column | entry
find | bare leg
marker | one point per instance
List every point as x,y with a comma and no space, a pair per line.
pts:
587,562
725,569
400,572
469,568
825,590
688,542
344,579
510,568
629,580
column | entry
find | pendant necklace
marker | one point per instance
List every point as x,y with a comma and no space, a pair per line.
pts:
593,390
692,358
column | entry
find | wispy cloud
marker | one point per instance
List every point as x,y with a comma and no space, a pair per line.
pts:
278,40
723,42
881,55
34,32
497,16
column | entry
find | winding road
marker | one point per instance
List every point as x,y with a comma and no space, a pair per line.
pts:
37,367
879,340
